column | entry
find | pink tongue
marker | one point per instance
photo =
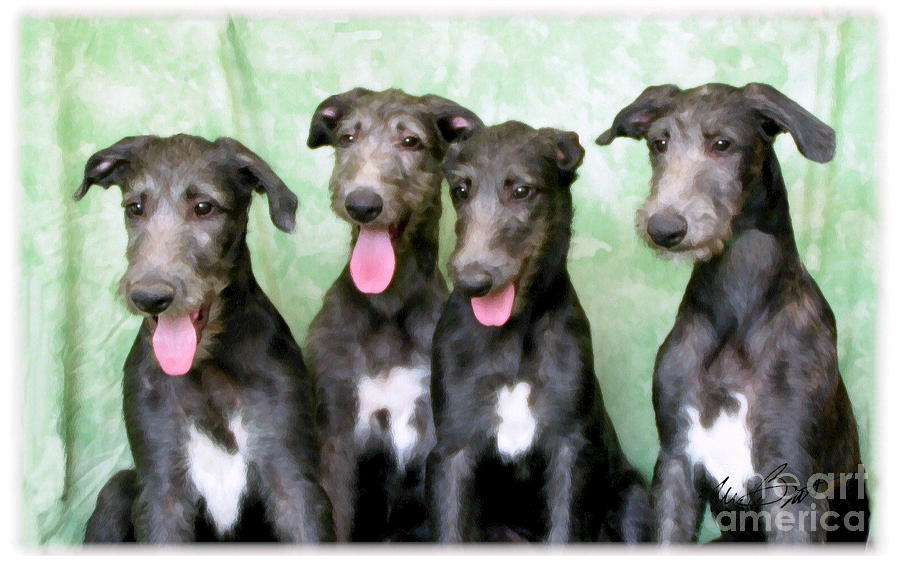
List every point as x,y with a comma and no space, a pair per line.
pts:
372,263
175,343
494,309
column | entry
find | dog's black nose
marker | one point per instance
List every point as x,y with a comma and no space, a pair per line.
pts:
153,299
666,230
363,205
476,284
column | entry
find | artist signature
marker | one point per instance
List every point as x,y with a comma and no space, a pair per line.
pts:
776,488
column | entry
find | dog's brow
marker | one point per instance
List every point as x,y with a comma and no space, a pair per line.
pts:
406,123
129,196
464,170
719,130
659,127
354,128
195,191
520,173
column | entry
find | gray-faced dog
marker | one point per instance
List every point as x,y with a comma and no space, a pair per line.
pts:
525,449
218,405
370,344
752,412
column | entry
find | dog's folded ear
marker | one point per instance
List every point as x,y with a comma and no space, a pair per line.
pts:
634,120
329,113
452,121
814,138
569,152
108,166
254,173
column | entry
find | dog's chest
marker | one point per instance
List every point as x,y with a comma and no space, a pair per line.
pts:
387,404
724,447
516,423
218,475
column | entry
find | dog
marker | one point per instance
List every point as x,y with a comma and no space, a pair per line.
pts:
525,449
751,410
218,404
369,346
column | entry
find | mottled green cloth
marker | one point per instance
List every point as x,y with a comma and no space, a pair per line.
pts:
86,83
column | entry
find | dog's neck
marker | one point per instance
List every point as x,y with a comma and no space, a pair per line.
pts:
766,204
761,255
416,266
237,295
241,282
551,279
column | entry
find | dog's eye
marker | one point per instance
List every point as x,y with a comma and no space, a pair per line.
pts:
721,144
411,142
203,208
522,192
346,139
460,192
661,145
134,209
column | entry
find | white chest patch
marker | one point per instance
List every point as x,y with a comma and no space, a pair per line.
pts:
516,427
218,476
396,391
724,448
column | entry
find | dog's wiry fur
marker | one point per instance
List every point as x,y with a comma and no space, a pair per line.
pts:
377,345
747,381
111,520
247,396
525,449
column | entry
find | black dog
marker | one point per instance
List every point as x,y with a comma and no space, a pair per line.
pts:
750,406
525,449
369,346
218,405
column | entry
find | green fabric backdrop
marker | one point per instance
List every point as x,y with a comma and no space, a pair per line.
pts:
88,82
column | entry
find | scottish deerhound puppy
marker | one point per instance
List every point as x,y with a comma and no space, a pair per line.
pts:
218,405
525,449
752,413
369,345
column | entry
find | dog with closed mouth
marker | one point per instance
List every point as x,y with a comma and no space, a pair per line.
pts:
369,346
525,449
218,405
752,412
